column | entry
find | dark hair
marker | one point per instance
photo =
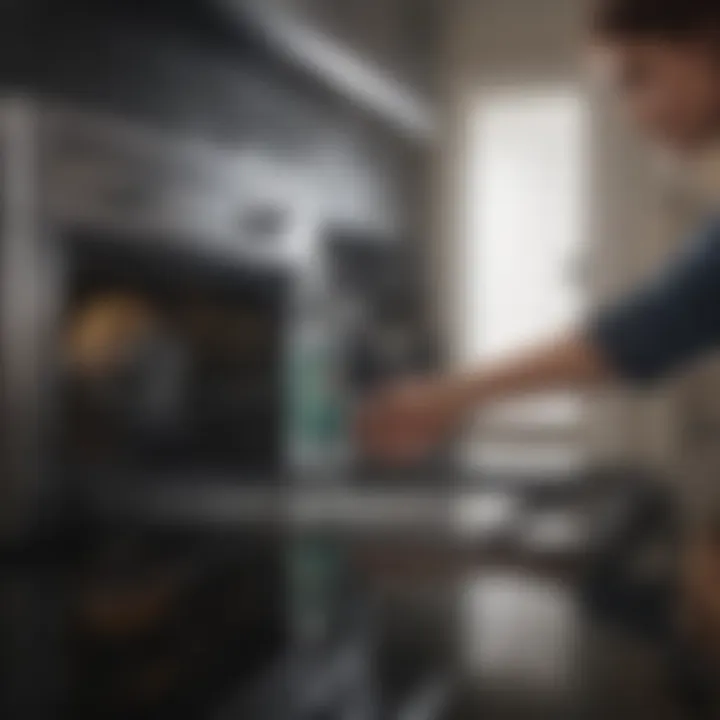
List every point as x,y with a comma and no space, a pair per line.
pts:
658,18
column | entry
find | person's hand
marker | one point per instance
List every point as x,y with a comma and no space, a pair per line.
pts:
406,422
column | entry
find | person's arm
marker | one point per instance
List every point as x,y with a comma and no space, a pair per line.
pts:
571,361
646,336
407,419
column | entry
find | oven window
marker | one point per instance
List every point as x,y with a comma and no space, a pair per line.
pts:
170,363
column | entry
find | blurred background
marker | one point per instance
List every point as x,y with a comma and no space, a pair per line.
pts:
222,224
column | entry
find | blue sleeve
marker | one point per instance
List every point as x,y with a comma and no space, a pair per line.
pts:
668,322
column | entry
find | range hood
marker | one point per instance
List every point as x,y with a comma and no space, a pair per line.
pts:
339,68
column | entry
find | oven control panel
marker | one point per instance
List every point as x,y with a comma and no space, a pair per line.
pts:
109,175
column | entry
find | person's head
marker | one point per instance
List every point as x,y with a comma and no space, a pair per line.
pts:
664,58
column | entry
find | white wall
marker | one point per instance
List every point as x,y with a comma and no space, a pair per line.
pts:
530,42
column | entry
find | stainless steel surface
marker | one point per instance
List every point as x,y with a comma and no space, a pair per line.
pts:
345,510
109,174
29,286
342,70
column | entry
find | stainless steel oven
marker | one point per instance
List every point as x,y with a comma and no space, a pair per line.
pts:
144,287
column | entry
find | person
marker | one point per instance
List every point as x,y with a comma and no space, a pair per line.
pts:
663,56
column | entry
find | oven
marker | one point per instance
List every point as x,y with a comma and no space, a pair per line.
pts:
176,278
146,283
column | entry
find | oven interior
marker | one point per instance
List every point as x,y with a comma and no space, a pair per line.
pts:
172,363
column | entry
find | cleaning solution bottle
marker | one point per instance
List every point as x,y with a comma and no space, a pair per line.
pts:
318,441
